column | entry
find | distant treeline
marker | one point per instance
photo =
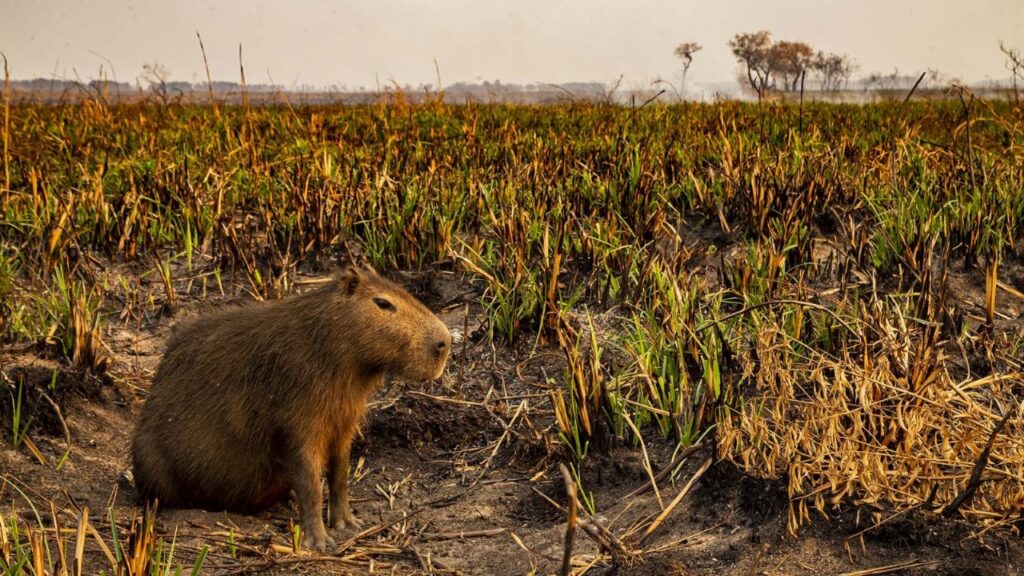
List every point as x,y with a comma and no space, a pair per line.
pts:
58,90
55,91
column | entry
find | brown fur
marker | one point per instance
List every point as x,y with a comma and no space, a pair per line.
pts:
250,402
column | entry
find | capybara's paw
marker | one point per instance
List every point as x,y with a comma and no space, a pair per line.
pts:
352,522
346,520
318,540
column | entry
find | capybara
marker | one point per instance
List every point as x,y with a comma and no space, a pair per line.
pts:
252,401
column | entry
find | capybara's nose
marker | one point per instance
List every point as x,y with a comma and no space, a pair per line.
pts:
441,347
443,343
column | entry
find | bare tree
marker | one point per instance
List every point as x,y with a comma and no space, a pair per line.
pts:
752,50
790,61
685,52
155,75
833,69
1015,64
608,93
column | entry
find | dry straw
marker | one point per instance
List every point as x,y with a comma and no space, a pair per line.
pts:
891,431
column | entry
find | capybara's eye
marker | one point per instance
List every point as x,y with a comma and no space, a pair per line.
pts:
384,304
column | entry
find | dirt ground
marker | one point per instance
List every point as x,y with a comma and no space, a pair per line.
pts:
456,477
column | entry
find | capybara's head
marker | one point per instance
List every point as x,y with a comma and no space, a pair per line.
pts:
387,328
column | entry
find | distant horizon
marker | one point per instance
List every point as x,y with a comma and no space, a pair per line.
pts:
856,83
329,44
737,84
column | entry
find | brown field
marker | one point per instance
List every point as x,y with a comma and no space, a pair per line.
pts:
758,339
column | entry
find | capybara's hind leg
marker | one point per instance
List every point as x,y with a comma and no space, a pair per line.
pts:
305,479
153,478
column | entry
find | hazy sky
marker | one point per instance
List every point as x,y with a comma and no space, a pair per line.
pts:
355,43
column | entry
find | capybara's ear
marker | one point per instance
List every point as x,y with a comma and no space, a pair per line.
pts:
349,280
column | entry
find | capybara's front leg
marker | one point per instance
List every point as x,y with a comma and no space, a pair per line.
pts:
341,512
305,479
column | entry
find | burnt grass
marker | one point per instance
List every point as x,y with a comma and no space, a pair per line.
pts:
457,475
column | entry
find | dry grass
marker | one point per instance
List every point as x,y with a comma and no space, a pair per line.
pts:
886,427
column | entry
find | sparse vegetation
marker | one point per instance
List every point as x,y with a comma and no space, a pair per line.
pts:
60,547
821,301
